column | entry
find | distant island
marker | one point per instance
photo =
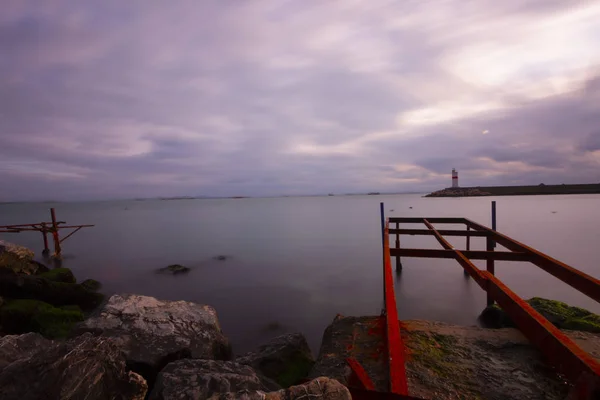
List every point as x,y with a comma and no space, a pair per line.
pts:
541,189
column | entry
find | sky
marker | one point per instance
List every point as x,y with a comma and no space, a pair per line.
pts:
142,98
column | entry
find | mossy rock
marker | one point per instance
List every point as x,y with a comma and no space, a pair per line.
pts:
59,275
558,313
14,286
20,316
91,285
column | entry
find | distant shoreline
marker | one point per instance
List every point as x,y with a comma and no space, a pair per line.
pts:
541,189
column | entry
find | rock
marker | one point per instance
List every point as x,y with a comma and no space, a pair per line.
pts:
286,359
91,285
153,332
174,269
56,293
200,379
448,361
340,339
14,347
20,316
558,313
82,368
321,388
59,275
18,258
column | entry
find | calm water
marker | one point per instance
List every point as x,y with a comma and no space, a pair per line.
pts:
297,262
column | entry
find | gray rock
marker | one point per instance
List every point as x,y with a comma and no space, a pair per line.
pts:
200,379
86,367
286,359
154,332
321,388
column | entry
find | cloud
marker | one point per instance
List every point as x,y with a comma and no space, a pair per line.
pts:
113,99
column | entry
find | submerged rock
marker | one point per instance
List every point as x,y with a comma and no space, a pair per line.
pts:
154,332
286,359
59,275
20,316
200,379
558,313
174,269
82,368
18,286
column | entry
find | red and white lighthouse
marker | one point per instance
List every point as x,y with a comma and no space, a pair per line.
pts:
454,178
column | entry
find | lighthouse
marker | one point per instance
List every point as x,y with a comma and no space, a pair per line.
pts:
454,178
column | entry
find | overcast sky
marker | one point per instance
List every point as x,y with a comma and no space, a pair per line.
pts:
117,99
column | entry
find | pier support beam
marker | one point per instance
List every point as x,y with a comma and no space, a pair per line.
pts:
398,261
57,250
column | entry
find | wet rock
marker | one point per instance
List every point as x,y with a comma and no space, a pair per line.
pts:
26,315
322,388
286,359
174,269
91,285
19,286
82,368
200,379
558,313
153,332
59,275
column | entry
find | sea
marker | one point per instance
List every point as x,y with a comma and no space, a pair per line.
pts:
293,263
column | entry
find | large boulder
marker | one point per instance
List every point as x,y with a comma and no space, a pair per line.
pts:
86,367
19,259
20,286
155,332
322,388
200,379
287,359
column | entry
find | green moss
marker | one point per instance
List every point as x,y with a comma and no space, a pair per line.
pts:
19,316
432,352
297,369
91,285
566,317
558,313
59,275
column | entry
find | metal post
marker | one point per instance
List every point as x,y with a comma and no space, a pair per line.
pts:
398,261
465,272
55,234
468,238
45,236
494,220
490,268
382,214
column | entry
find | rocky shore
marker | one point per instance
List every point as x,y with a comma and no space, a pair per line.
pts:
62,340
